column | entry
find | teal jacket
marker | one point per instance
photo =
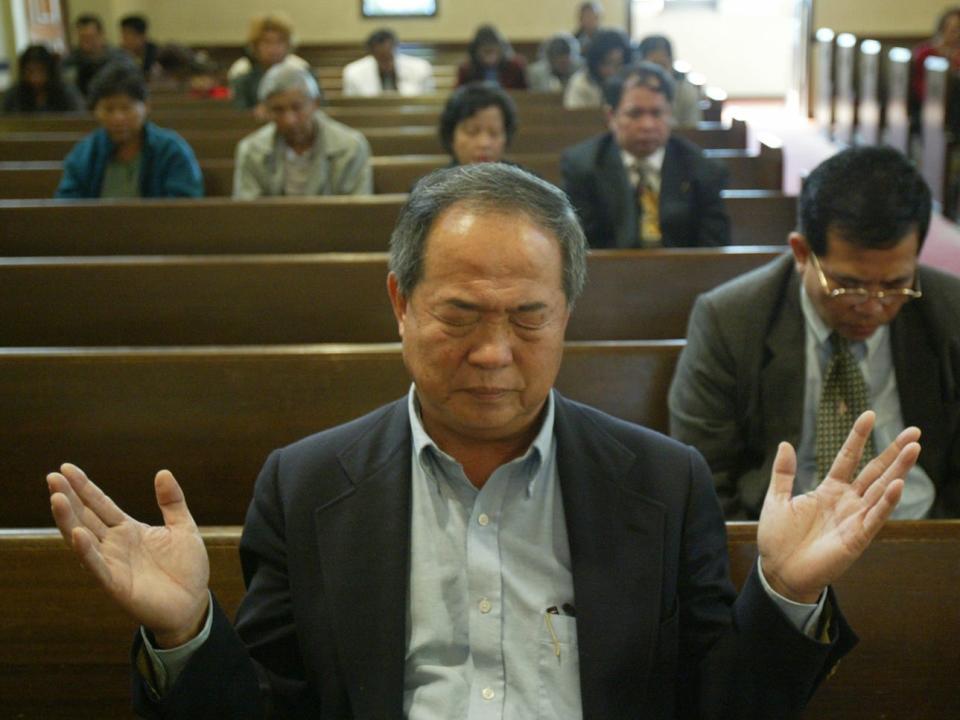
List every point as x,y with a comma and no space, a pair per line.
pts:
168,167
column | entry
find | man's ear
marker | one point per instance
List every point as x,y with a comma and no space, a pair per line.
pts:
801,251
608,116
397,300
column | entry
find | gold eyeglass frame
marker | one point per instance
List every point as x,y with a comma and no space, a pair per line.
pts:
859,295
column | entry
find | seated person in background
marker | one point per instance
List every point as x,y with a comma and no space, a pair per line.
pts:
269,42
686,97
39,87
300,151
477,124
491,58
588,24
181,69
134,40
559,59
945,43
609,51
91,54
128,156
637,185
846,321
384,70
590,552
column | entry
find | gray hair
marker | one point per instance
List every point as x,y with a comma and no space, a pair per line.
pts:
496,187
282,77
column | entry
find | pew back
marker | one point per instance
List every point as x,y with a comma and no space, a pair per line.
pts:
30,144
210,226
287,299
398,173
64,648
211,415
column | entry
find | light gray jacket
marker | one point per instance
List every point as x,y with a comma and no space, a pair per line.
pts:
341,167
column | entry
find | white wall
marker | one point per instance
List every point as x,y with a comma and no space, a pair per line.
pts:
745,46
319,21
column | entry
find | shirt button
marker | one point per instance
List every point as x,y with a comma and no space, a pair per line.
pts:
488,694
485,606
484,519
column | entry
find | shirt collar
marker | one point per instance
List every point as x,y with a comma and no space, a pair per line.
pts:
821,331
533,459
653,161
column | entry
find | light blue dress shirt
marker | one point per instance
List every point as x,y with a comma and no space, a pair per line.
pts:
486,564
875,360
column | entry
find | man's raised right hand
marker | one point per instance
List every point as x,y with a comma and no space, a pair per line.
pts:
159,575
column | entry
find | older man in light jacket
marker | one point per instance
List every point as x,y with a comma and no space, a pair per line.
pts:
300,151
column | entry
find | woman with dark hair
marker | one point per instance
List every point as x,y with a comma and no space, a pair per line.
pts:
39,87
128,156
609,51
477,124
492,59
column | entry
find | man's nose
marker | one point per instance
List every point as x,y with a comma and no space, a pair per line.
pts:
492,347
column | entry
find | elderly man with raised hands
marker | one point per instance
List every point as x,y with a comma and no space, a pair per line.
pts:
300,151
485,547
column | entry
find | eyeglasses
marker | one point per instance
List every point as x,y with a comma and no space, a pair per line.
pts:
859,295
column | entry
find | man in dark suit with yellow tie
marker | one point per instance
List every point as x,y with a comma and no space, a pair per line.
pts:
638,185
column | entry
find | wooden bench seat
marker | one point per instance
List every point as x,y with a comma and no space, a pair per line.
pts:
212,414
36,144
64,647
211,226
331,298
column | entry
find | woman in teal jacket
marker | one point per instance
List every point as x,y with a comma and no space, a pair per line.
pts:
128,156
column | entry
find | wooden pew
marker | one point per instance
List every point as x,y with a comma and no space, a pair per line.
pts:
220,118
763,171
28,145
397,174
211,226
333,298
212,415
521,98
64,648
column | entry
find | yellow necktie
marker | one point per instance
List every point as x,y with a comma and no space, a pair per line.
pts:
648,205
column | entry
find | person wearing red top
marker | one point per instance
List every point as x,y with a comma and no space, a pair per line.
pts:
945,43
492,59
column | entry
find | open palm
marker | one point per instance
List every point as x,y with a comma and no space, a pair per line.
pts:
159,575
808,541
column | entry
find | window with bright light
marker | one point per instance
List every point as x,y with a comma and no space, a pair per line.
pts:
398,8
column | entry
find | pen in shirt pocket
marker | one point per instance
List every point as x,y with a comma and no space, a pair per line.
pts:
565,609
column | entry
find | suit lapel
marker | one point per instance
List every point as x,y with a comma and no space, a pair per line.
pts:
364,548
921,394
616,549
674,188
616,188
783,370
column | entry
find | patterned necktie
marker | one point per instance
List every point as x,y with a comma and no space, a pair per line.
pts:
843,399
648,204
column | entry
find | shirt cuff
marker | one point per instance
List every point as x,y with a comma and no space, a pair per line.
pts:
805,617
168,664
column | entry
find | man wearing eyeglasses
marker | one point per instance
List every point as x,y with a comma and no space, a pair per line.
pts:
847,321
